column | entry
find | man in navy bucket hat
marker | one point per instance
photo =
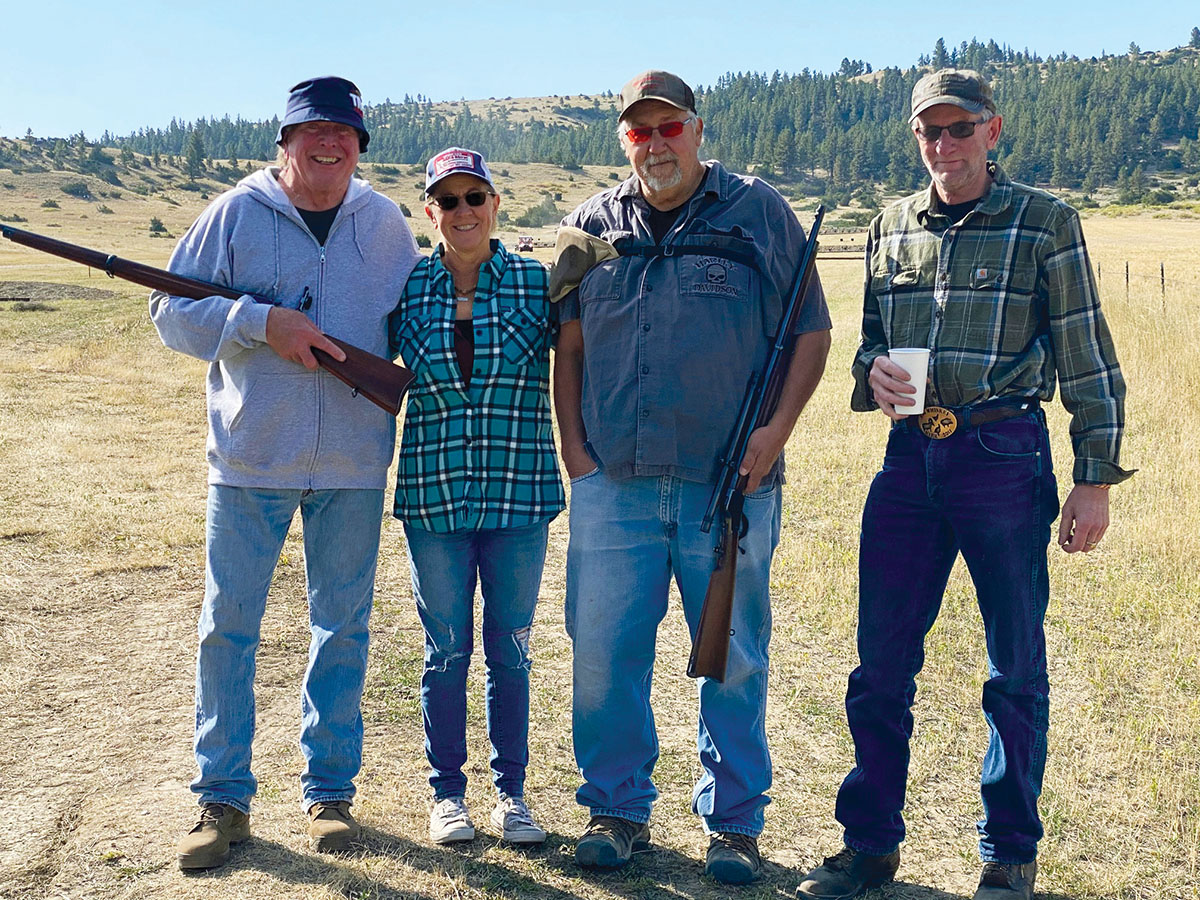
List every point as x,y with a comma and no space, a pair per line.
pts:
283,435
327,99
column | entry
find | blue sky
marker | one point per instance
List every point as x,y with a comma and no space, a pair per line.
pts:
90,66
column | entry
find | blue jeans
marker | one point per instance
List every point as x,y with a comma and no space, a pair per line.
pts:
245,533
508,563
987,492
627,539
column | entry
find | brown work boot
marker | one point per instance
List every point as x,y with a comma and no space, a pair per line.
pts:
848,874
733,858
331,828
1005,881
609,842
207,845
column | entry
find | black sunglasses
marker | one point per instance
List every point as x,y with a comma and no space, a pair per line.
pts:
450,201
956,130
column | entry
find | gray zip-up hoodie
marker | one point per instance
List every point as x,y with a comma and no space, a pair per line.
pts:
273,423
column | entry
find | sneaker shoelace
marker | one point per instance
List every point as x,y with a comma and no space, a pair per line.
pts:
517,813
452,809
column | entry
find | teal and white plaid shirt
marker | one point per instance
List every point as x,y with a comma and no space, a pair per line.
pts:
1006,303
483,456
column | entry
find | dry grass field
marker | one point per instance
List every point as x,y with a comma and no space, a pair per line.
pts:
101,577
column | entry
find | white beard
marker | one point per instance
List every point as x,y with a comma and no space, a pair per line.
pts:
659,183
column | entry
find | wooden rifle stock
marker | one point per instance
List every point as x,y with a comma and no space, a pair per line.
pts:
379,380
710,646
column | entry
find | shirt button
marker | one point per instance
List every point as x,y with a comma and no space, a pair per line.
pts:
646,327
645,413
649,287
645,370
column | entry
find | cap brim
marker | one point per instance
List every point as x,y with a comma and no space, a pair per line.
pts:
654,97
968,105
429,187
316,114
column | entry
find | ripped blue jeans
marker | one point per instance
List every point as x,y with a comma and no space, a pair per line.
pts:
507,563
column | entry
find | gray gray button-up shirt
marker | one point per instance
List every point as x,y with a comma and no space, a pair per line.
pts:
672,336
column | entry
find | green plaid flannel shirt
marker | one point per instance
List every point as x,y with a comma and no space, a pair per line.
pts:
1006,303
481,457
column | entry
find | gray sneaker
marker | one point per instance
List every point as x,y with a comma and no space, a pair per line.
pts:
512,818
609,842
1005,881
848,874
207,844
450,822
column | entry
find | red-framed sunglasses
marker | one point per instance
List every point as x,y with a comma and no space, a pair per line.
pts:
643,133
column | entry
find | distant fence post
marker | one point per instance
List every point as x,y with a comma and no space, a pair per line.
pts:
1162,281
1126,279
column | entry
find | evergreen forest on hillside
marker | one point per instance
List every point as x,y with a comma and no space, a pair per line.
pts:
1068,122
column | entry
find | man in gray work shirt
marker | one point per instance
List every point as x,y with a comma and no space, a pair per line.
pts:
652,362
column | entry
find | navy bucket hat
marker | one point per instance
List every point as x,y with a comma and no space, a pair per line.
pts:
326,99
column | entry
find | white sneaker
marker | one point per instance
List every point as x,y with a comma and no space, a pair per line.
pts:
450,822
514,821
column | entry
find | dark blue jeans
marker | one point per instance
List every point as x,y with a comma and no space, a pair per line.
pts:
989,493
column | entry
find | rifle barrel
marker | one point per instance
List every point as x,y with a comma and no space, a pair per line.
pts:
378,379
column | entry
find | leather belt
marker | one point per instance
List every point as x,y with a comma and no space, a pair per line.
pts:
939,422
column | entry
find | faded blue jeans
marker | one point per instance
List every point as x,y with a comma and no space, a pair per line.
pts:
245,533
507,562
628,538
987,492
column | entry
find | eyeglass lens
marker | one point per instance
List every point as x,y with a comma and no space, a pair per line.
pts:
956,130
643,133
450,201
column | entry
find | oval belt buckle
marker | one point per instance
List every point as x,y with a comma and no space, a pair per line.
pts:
937,422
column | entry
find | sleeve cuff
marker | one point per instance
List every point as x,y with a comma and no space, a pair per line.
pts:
1100,471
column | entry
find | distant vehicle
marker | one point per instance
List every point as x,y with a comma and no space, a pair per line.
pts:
525,244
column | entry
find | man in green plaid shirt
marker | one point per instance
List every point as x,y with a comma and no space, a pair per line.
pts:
993,278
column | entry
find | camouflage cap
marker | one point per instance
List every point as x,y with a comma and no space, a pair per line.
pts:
656,84
965,88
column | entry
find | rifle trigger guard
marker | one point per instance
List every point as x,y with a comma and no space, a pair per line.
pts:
743,527
108,265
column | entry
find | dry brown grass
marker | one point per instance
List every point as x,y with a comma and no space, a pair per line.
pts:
101,575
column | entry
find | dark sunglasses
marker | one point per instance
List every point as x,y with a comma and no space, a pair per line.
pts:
643,133
450,201
957,130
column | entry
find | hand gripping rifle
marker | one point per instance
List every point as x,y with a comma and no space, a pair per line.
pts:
379,380
710,649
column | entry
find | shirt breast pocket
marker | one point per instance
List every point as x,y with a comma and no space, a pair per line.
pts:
523,333
1003,300
603,281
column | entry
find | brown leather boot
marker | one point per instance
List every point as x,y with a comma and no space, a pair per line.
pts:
207,844
331,828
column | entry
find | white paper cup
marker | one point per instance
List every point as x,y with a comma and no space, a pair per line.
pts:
914,361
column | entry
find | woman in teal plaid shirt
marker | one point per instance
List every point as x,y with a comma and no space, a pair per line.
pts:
478,482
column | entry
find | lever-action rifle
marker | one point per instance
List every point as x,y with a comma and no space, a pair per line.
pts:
379,380
710,649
